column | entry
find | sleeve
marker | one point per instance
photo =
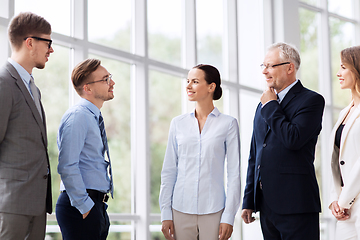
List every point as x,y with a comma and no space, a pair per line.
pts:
6,101
71,140
232,202
304,125
169,175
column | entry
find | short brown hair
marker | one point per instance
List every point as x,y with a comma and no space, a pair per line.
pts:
351,58
24,25
82,71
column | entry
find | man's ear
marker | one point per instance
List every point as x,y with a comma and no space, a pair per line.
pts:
29,43
291,68
86,89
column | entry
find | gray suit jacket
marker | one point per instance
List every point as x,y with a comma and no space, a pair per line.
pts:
25,184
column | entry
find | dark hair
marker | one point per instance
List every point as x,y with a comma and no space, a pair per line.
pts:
212,75
82,71
24,25
351,58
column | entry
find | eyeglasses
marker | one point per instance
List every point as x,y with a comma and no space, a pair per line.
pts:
262,66
41,39
107,80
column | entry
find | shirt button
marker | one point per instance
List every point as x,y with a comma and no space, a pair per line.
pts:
258,166
264,145
342,162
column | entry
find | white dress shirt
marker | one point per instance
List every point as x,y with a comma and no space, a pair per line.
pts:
192,178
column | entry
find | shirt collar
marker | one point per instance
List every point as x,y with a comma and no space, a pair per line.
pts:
283,93
214,112
25,76
89,105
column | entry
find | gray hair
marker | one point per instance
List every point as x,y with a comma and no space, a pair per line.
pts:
287,53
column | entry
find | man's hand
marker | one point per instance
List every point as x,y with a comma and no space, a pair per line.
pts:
246,215
167,229
268,95
340,213
225,231
86,214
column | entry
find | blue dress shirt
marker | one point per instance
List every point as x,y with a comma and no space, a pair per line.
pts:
192,178
82,164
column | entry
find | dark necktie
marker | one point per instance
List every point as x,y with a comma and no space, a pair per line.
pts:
106,149
278,99
35,94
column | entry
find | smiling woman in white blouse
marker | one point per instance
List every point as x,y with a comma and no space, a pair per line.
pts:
192,198
345,162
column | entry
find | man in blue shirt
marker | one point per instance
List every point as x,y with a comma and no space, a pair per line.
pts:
85,171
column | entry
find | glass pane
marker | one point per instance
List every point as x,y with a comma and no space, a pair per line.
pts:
311,2
342,7
248,104
163,108
109,23
309,69
209,30
4,10
251,49
164,31
116,114
53,82
342,36
56,12
3,42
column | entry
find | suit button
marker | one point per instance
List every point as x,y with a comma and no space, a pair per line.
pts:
258,166
342,162
264,145
45,176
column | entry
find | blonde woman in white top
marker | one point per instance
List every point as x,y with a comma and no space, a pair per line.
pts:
345,147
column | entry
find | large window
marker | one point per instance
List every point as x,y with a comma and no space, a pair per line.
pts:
149,46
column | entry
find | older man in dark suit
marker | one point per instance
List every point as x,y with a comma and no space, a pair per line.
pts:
25,187
281,181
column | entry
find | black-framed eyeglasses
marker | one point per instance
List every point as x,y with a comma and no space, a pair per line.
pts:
107,80
41,39
263,66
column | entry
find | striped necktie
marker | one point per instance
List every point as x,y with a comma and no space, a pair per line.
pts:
106,149
35,94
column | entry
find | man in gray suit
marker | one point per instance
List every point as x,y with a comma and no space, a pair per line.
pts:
25,187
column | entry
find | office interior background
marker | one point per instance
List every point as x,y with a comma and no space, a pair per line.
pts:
149,46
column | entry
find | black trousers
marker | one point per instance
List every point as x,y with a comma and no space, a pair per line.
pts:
72,225
287,226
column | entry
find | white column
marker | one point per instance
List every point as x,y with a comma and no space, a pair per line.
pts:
188,46
140,156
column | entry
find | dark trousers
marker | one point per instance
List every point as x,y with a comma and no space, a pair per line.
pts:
288,226
72,225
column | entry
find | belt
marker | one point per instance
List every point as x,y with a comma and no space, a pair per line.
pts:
97,195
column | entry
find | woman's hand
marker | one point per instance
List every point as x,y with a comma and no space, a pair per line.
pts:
167,229
225,231
339,213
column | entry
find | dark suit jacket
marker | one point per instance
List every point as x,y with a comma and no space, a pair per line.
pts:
25,186
282,153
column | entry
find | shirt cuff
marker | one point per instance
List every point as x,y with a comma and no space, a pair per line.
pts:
227,218
86,206
166,214
267,103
